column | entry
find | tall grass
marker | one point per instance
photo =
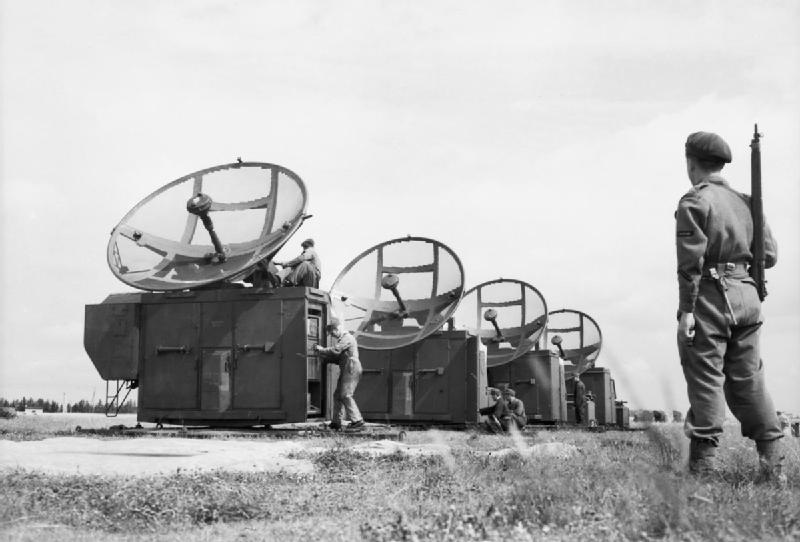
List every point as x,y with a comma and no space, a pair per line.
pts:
619,486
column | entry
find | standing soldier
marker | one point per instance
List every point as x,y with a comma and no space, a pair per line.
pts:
579,394
345,354
719,313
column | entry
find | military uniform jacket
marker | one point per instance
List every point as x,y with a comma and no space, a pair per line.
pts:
517,408
498,410
713,226
308,255
345,349
579,392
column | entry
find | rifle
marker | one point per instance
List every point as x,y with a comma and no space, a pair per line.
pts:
757,212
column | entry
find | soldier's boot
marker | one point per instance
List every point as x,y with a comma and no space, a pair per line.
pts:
702,457
770,461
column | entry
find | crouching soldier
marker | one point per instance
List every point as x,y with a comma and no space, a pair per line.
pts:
495,412
345,354
515,411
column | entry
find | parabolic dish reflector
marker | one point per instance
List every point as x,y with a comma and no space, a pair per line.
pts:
398,292
509,316
581,338
211,225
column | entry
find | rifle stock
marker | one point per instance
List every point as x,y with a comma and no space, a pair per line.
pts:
757,211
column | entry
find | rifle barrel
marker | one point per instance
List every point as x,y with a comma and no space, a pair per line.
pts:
757,212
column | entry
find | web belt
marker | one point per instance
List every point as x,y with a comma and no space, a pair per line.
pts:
728,268
719,273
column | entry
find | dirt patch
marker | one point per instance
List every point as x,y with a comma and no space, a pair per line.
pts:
146,456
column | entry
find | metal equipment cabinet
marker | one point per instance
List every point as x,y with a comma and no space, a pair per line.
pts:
623,415
598,380
230,356
440,379
538,379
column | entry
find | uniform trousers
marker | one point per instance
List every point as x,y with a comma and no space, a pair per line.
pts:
343,403
724,365
579,409
304,274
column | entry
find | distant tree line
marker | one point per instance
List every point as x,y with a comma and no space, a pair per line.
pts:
641,415
83,405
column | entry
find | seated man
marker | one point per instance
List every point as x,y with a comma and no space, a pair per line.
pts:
515,411
496,412
305,270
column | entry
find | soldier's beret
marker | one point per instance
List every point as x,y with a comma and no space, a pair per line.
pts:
708,146
333,322
307,243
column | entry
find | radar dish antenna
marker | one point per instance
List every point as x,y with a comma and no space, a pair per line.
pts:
508,315
577,337
247,211
398,292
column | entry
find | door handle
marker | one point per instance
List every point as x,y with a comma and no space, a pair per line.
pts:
439,371
266,347
182,349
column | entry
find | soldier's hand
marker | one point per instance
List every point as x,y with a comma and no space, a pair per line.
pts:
686,327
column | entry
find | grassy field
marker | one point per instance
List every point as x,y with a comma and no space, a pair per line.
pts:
618,486
36,427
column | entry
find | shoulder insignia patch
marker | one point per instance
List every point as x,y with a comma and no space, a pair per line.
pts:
684,233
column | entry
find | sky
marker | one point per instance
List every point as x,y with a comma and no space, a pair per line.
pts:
541,141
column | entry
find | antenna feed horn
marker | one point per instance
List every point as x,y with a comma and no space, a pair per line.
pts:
490,315
200,205
390,282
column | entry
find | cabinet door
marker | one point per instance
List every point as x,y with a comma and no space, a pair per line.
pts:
527,379
430,380
216,386
171,356
372,393
216,325
258,355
